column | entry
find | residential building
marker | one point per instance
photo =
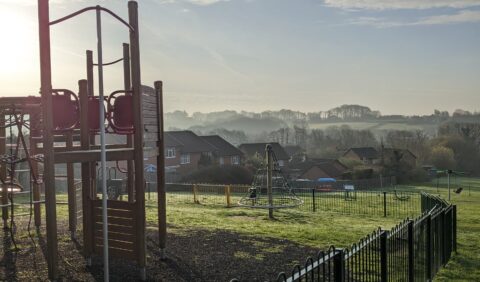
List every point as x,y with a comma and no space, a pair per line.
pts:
314,169
367,155
184,150
224,152
251,150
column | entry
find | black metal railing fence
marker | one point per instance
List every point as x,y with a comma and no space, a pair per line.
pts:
390,203
414,250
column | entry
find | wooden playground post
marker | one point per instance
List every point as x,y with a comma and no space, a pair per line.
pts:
269,180
138,136
195,192
72,195
47,116
90,93
86,171
227,195
3,171
128,86
161,191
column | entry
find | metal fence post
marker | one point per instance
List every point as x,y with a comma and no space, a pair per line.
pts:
411,255
313,200
383,257
442,236
338,265
428,248
385,204
454,228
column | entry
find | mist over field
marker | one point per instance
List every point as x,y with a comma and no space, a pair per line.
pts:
442,139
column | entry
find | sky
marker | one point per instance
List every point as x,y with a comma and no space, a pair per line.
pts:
396,56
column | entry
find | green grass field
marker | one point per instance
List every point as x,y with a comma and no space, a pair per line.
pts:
322,228
464,266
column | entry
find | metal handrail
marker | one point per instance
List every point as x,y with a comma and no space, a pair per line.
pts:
93,8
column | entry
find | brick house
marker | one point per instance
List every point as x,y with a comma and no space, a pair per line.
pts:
314,169
332,169
224,152
184,150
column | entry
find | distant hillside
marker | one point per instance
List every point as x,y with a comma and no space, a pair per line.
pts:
355,116
381,127
250,126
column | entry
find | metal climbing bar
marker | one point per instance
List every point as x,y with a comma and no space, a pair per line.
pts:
90,9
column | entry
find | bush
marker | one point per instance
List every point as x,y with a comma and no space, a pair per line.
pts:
363,173
417,175
350,163
442,157
226,174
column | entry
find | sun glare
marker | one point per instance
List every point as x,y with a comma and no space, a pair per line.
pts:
19,42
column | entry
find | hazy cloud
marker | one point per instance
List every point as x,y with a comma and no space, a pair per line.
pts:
401,4
206,2
196,2
464,16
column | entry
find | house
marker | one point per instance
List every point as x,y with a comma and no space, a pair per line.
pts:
367,155
324,170
251,150
184,150
314,169
224,152
391,156
295,152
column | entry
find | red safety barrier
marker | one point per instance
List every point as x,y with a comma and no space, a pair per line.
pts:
66,110
120,113
94,114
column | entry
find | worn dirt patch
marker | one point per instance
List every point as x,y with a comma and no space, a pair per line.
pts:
193,255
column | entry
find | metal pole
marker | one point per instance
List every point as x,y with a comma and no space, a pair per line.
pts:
338,266
383,257
428,248
384,204
448,177
454,227
269,180
411,252
103,155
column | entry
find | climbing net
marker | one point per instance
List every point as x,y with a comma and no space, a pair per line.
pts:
10,186
281,195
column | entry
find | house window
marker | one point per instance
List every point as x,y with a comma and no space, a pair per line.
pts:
185,158
235,160
220,161
170,153
280,163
